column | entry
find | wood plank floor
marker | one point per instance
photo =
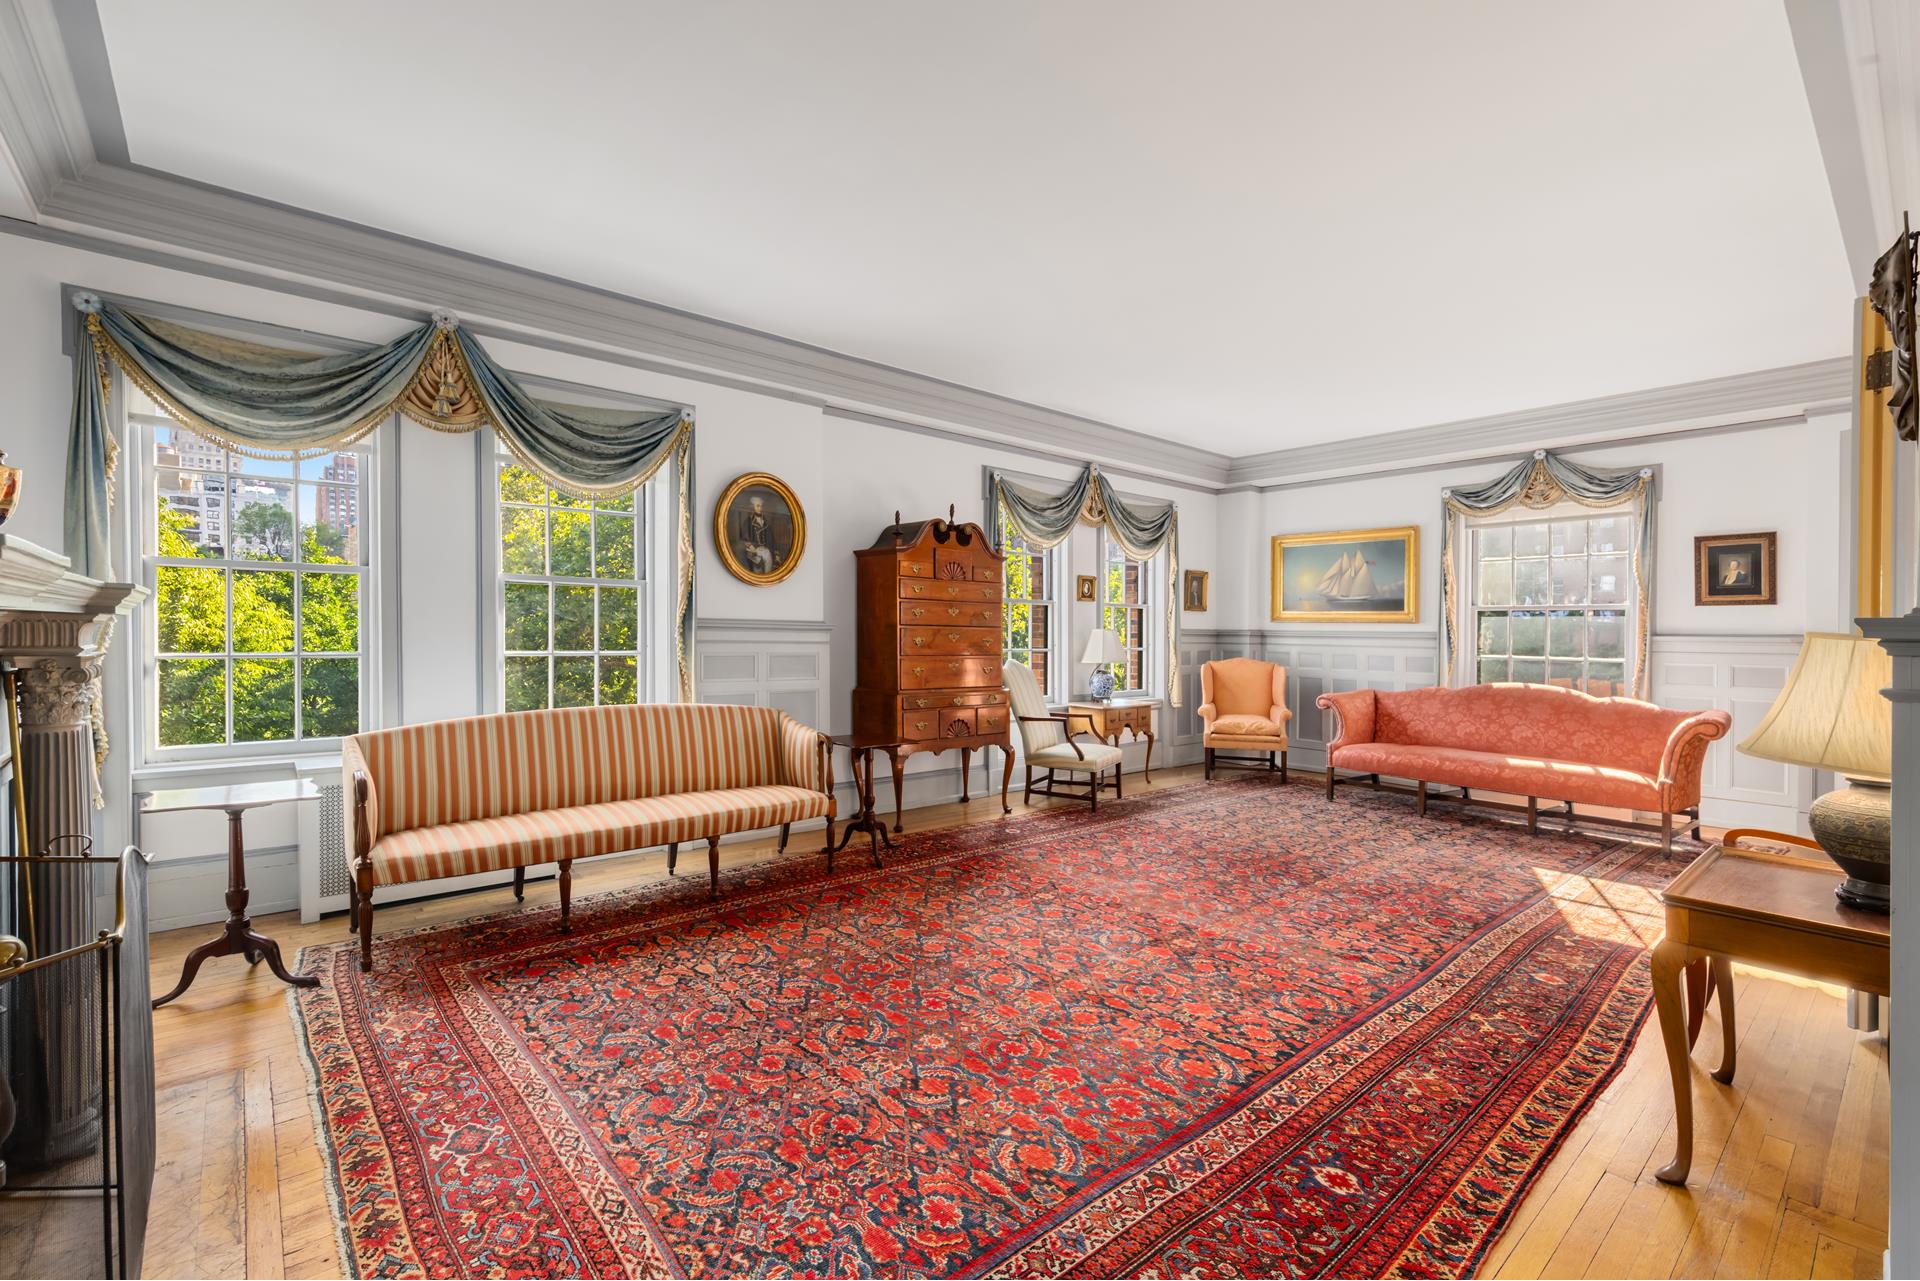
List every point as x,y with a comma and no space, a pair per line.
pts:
1790,1165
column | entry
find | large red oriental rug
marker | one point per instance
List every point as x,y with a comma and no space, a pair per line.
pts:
1219,1030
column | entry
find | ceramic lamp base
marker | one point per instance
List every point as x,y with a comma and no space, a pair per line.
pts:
1100,684
1854,825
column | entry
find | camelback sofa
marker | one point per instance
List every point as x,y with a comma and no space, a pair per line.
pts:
450,798
1529,740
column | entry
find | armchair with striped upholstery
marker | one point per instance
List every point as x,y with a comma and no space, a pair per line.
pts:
488,793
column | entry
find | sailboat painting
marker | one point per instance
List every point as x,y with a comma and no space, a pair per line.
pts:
1352,576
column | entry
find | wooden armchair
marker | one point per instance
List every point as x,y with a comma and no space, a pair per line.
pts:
1047,743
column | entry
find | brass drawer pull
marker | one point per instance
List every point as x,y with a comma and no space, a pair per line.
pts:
919,671
953,636
919,640
918,612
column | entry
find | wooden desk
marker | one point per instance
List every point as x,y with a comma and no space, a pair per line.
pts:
1134,715
1774,911
239,938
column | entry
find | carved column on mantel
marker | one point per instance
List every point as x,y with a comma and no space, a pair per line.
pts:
55,626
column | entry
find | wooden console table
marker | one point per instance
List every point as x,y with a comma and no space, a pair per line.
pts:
1775,911
1135,715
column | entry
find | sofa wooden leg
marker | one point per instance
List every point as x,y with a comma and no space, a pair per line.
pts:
1329,780
1283,765
566,896
519,884
673,855
1694,814
713,867
1533,814
1375,780
1421,794
784,829
1666,832
365,878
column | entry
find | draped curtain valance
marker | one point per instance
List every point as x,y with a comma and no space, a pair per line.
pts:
1542,481
272,402
1141,529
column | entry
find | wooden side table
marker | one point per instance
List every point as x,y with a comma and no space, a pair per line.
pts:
1775,911
239,938
860,753
1134,715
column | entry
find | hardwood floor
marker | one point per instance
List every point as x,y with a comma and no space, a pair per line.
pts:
1790,1164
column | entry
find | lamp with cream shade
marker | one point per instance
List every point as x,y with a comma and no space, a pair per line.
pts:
1831,715
1103,648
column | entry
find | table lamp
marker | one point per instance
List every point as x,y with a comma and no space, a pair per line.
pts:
1103,647
1832,716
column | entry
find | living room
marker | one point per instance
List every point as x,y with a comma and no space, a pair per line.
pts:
842,640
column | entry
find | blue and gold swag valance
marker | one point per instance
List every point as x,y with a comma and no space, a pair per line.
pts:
1142,530
273,402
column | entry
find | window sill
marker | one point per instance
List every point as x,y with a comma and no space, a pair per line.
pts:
230,770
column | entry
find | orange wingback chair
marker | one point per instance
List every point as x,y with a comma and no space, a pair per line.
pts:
1243,702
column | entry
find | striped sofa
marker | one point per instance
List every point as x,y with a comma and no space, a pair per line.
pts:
487,793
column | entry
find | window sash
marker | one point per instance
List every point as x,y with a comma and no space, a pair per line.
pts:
1565,615
635,515
151,499
1125,607
1042,613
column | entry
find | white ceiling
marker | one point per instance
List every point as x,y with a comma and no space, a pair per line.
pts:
1243,226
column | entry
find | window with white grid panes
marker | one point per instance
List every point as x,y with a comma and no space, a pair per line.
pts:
1552,601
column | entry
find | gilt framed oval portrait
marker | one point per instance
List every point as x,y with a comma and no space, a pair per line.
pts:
760,529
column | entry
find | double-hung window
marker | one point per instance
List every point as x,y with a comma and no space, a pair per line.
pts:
1124,610
573,594
1552,599
258,571
1031,578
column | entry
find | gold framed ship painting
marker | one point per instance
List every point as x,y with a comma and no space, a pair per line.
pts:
1348,576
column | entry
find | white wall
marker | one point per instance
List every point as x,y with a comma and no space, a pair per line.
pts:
1789,477
850,475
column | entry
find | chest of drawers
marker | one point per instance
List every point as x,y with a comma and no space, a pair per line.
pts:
929,643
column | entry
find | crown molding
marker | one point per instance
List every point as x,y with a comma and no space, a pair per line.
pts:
1768,395
43,125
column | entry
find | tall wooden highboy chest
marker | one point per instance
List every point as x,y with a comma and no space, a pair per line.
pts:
930,638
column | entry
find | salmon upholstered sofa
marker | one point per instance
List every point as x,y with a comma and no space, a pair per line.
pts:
1536,741
487,793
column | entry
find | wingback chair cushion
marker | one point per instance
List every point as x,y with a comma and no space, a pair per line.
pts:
1243,703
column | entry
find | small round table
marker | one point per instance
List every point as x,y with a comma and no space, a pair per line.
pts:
239,937
860,752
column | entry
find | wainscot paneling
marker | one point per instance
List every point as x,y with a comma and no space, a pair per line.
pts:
1740,675
1331,659
765,663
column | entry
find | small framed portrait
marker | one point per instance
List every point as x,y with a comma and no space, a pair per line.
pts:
1736,569
1086,588
1193,591
759,529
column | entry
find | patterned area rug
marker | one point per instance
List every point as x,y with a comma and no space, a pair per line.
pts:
1223,1030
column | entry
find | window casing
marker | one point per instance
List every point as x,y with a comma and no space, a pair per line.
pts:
1031,581
573,599
261,579
1551,599
1125,607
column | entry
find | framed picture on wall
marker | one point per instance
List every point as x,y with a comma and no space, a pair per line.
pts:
1736,569
759,529
1086,587
1193,591
1349,576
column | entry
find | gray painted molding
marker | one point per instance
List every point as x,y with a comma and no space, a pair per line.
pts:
50,89
1787,393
